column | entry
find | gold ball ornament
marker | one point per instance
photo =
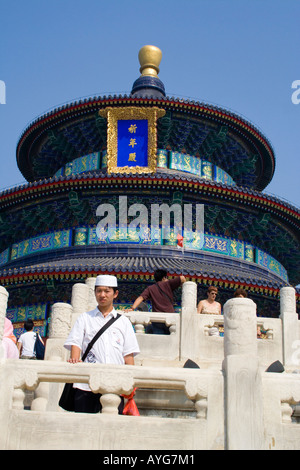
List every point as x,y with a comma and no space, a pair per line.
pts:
150,58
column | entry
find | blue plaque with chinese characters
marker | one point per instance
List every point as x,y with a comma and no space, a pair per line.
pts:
131,139
132,143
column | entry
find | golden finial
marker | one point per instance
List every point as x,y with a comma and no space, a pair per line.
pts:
149,58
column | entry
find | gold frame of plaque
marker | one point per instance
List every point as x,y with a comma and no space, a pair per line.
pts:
113,115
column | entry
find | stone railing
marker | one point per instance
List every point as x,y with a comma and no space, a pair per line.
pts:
255,402
192,336
229,403
47,426
109,380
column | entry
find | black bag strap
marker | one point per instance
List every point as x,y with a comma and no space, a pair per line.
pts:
97,335
165,293
36,339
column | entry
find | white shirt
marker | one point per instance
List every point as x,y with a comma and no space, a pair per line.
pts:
117,341
28,342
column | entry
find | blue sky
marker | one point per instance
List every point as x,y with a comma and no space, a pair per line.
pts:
241,55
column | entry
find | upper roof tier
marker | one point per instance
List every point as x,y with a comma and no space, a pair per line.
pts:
209,132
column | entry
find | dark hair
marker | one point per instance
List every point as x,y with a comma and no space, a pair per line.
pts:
28,325
240,292
159,274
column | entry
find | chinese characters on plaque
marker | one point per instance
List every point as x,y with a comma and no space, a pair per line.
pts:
132,143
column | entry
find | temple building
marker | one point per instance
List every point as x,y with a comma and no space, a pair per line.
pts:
115,159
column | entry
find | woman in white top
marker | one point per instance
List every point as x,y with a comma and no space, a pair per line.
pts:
209,305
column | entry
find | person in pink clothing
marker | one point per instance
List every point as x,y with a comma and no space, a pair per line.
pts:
9,341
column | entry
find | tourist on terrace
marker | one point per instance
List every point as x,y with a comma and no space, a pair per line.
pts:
9,341
209,305
117,344
240,293
243,294
161,296
26,342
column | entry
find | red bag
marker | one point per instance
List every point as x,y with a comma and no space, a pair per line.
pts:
130,408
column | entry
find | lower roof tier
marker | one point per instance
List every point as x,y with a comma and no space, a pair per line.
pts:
32,293
230,212
68,245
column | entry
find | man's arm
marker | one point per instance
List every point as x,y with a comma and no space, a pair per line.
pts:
75,355
137,302
129,360
176,282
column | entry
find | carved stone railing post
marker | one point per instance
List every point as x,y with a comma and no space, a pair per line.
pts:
187,319
111,386
79,300
243,383
41,396
3,306
60,325
197,392
172,326
92,303
140,320
25,379
110,403
290,328
18,398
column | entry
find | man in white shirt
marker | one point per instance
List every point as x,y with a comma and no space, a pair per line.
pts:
117,345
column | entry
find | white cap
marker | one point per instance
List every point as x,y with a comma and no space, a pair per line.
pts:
106,280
